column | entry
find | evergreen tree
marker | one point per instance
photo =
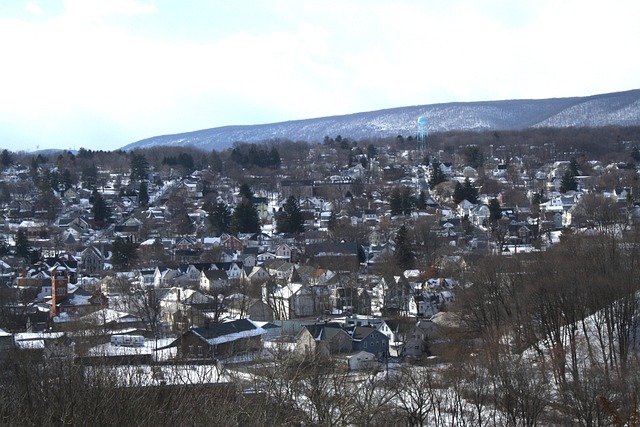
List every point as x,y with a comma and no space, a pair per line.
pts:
473,156
635,154
44,181
245,191
573,167
495,213
215,162
245,218
290,219
220,218
5,159
568,182
4,247
90,177
274,158
185,160
404,255
470,191
465,191
123,253
139,167
408,201
372,152
437,176
422,201
458,193
66,180
101,212
54,180
395,202
5,193
22,244
143,194
332,223
402,201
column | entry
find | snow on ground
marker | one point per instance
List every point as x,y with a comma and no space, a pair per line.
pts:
149,347
146,375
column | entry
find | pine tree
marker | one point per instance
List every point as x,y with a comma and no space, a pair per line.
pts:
458,193
4,247
437,176
404,255
422,201
220,218
635,154
465,191
143,194
569,182
123,253
5,159
408,201
245,191
245,218
101,212
274,158
332,223
473,156
495,213
573,167
215,162
90,176
372,152
139,167
22,244
66,180
470,191
395,202
290,219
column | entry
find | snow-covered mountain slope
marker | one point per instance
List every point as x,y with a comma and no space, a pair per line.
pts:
619,108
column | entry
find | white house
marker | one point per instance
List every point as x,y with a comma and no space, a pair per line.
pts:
362,360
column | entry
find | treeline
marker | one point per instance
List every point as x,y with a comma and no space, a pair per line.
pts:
610,143
560,325
551,143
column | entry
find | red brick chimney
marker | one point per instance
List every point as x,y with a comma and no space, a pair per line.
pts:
59,282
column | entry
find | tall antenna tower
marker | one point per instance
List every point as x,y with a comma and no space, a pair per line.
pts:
423,131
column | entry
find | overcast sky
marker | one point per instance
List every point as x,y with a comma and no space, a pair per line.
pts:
101,74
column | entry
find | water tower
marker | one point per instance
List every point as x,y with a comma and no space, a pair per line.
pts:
423,131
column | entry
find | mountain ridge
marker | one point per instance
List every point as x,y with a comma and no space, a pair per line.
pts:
616,108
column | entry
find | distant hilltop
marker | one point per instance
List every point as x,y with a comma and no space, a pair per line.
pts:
618,108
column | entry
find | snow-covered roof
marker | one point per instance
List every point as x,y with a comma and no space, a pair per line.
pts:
287,291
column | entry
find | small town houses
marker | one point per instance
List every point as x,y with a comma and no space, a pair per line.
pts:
204,292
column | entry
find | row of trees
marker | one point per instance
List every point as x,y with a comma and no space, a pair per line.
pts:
403,202
250,155
568,317
287,390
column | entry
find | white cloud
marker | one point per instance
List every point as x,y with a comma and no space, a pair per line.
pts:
97,9
97,62
33,7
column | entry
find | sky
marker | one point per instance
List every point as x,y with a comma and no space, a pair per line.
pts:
101,74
